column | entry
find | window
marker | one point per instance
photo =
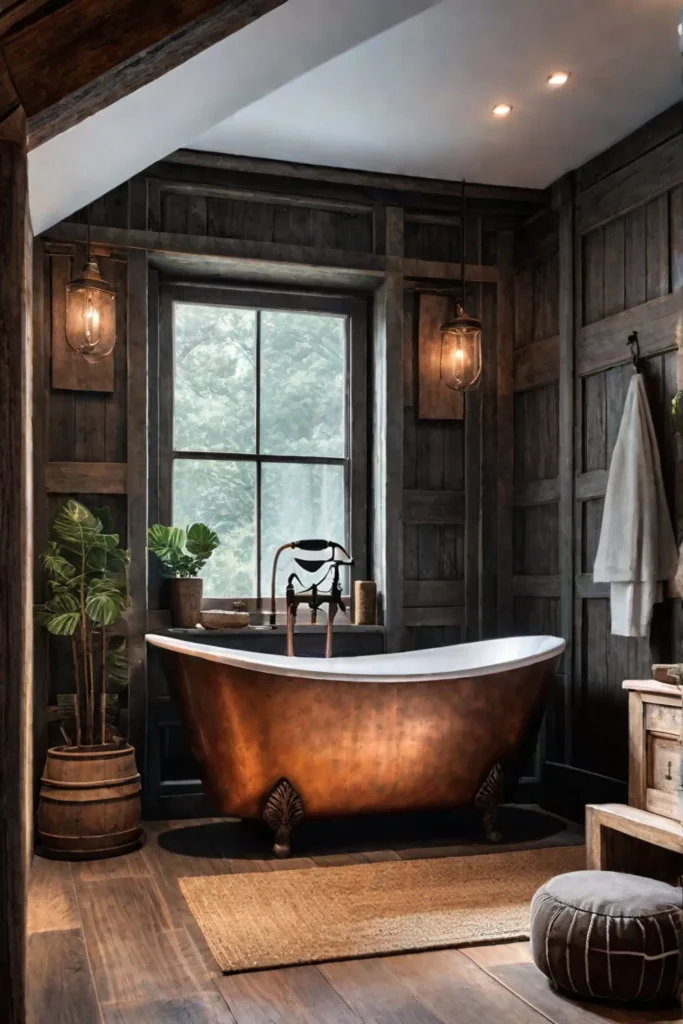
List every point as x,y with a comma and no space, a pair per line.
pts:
266,430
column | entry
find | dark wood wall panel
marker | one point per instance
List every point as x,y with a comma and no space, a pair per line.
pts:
628,260
535,438
628,269
263,220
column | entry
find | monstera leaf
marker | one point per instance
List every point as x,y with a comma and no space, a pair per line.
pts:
167,542
105,601
61,614
201,541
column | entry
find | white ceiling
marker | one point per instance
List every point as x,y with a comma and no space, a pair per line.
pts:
105,150
416,99
401,86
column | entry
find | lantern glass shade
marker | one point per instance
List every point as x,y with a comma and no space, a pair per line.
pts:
91,313
461,363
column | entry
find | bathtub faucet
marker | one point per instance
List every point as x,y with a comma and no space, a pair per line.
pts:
313,596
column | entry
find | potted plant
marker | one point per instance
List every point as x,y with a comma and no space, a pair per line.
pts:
183,554
90,794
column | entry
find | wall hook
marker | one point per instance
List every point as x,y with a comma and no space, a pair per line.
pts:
634,345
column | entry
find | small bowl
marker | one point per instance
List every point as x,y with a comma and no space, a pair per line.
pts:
219,619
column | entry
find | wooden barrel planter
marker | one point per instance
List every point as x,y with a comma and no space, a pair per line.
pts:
90,804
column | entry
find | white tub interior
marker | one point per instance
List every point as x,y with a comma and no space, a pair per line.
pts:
483,658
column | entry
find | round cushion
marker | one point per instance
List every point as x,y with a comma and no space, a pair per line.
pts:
606,935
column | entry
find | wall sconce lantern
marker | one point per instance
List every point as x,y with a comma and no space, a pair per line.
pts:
461,351
461,358
91,312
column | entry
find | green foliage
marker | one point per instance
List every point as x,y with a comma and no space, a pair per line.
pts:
86,569
182,554
88,580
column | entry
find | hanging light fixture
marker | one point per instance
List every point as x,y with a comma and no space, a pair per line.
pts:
91,311
461,363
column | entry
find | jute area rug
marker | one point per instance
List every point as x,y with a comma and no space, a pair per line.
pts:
282,918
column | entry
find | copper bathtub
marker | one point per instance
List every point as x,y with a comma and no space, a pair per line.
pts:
280,737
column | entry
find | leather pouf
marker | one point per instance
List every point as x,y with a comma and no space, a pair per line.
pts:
605,935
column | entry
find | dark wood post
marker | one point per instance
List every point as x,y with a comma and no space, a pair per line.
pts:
15,556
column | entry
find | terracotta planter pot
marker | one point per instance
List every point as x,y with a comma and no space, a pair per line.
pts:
186,602
89,803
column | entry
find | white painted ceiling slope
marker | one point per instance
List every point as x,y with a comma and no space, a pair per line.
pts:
403,86
417,99
105,150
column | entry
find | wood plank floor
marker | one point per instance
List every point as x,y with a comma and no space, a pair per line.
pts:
113,942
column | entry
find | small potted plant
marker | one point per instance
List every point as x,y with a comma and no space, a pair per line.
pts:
183,554
90,793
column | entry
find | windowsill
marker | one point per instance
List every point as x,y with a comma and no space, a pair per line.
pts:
199,631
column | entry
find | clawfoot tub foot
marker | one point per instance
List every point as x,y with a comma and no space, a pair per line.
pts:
489,799
284,809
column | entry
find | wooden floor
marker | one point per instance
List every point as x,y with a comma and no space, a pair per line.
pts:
113,942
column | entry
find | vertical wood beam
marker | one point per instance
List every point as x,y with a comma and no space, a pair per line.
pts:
565,205
16,590
387,468
488,533
138,497
504,512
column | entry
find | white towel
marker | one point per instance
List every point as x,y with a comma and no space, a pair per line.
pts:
637,549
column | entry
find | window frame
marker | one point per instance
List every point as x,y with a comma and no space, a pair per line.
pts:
355,310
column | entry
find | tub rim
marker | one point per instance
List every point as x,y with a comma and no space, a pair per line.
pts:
377,668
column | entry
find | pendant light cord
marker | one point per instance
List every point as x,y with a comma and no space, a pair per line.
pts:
463,240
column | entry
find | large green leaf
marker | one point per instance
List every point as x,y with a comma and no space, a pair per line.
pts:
55,565
76,528
166,542
201,541
105,602
62,614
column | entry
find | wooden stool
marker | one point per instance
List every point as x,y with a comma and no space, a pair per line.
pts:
629,839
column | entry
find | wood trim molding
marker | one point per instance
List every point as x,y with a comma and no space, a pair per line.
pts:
368,179
538,492
537,363
591,485
505,432
229,250
442,507
16,578
240,250
86,477
643,179
564,196
659,323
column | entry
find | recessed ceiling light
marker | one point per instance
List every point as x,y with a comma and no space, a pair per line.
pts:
502,109
558,78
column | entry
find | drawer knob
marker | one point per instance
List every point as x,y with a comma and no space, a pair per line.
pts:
668,775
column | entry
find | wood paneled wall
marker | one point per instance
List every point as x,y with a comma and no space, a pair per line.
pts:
606,259
202,218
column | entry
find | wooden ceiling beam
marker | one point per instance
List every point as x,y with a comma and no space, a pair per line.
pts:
68,59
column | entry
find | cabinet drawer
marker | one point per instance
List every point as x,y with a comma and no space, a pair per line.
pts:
664,764
663,775
663,719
